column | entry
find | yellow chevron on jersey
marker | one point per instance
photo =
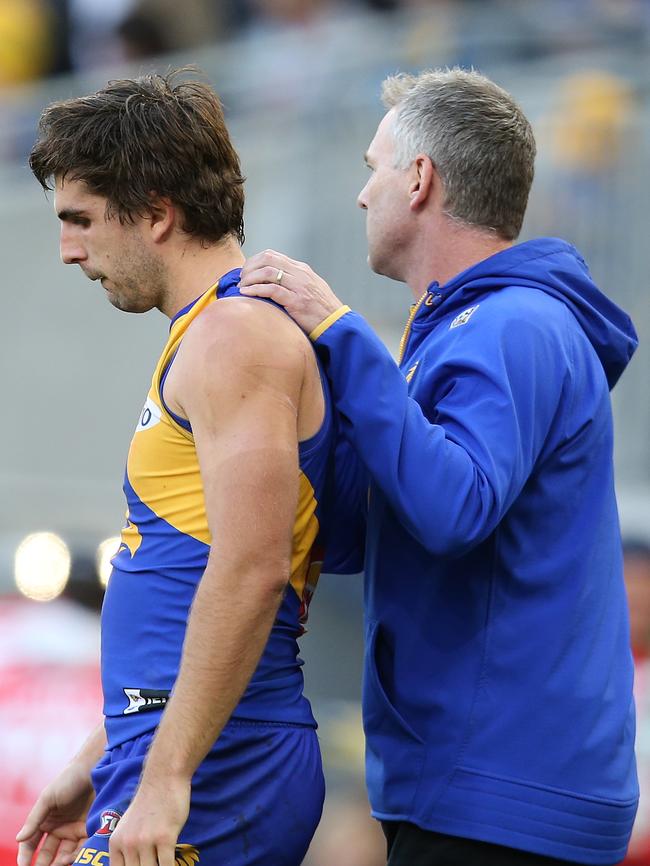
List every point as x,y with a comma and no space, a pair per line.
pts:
131,537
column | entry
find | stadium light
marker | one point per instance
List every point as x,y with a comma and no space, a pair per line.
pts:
42,566
105,552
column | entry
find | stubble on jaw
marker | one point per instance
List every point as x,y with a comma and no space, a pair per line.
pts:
140,281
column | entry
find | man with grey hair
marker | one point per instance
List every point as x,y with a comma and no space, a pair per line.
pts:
497,694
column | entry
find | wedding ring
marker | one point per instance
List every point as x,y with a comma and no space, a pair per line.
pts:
278,277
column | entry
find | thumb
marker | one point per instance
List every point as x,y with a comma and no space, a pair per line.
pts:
32,824
26,832
27,846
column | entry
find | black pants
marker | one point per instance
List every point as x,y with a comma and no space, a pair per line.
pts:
408,845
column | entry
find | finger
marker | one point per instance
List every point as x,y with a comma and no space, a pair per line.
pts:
273,257
116,855
264,274
279,294
166,855
48,850
34,820
27,846
67,853
268,259
62,845
155,855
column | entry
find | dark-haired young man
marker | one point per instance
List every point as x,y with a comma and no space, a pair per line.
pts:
225,482
497,697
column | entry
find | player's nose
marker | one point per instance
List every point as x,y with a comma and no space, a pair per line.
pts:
71,249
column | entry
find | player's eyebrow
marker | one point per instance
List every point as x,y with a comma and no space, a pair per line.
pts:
71,214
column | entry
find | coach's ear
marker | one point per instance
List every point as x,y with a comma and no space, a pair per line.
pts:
162,218
423,180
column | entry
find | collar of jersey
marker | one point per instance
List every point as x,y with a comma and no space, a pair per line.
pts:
226,282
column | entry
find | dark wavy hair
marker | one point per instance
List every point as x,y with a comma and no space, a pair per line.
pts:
156,135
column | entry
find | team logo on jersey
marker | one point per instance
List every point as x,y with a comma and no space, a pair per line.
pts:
141,700
411,371
186,855
149,417
109,819
464,317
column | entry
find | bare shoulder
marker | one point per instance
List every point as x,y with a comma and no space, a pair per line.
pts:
245,331
235,346
243,346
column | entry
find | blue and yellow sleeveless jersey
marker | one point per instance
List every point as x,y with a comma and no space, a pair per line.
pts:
164,551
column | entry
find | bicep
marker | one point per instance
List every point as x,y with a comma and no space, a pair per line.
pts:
245,431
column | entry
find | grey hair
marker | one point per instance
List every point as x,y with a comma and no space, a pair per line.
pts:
477,137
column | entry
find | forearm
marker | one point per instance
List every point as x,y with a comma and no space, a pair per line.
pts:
92,750
230,621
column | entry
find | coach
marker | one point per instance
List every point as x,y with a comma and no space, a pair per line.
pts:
498,677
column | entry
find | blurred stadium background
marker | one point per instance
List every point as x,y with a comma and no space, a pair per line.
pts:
300,81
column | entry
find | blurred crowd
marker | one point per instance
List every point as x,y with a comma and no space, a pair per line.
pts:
39,38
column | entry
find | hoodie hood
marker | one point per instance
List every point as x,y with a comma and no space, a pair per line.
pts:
555,267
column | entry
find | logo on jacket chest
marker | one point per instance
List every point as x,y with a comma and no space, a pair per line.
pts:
464,317
411,371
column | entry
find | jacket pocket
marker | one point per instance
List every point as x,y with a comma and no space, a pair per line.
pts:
381,716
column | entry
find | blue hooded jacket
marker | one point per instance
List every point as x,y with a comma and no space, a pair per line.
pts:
497,691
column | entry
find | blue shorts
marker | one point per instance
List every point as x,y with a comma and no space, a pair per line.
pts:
256,799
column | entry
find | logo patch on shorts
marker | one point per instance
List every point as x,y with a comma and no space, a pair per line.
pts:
109,819
141,700
186,855
464,317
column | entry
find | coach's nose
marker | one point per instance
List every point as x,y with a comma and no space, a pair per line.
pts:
361,198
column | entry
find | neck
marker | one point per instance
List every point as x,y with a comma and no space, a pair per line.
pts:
192,268
456,248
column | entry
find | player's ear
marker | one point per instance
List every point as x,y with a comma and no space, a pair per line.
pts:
423,178
162,218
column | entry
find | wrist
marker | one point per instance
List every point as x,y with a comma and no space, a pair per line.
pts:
157,778
91,751
163,767
329,320
84,763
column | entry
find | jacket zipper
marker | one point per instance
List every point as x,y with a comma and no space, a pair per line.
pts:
407,329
